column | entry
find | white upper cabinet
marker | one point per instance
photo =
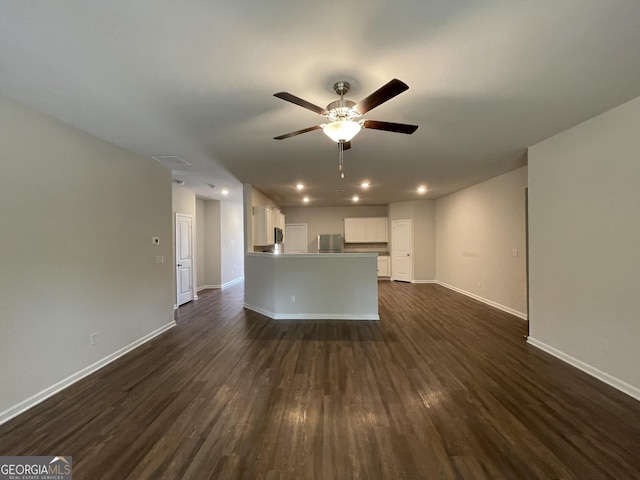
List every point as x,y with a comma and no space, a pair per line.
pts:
375,229
365,230
265,219
354,230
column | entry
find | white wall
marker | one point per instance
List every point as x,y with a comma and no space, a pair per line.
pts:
329,220
212,254
584,200
200,244
220,237
76,256
478,230
422,214
231,242
183,200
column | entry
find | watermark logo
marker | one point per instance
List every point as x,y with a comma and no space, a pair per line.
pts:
36,468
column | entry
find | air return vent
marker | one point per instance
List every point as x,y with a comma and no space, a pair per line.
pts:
171,161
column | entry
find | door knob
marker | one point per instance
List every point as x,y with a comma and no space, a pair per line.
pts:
179,264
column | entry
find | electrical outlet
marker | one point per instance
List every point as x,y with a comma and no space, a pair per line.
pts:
480,284
514,252
604,346
93,338
159,259
293,299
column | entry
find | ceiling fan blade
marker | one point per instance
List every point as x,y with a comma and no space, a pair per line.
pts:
384,93
298,132
390,127
299,101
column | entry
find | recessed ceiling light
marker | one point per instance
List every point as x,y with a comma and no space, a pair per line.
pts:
225,191
365,184
305,199
355,198
422,189
299,186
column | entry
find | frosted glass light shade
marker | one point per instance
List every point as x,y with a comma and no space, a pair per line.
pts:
343,130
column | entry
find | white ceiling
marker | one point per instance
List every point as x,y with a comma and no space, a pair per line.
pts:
196,79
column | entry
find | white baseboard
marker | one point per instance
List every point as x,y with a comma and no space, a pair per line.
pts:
325,316
312,316
39,397
233,282
424,281
228,284
259,310
497,305
585,367
208,287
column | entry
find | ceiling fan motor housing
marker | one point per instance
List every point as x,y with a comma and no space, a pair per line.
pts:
342,110
341,88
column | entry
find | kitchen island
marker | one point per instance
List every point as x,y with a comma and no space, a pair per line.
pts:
332,286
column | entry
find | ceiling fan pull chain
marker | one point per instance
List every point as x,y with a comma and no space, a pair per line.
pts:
341,159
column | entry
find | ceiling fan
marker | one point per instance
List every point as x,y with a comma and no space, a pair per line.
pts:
343,114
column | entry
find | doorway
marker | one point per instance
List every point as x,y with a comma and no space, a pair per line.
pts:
184,258
401,251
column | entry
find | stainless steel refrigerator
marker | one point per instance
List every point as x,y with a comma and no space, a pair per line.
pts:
330,243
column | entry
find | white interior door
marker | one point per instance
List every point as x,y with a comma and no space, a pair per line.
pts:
401,251
295,235
184,259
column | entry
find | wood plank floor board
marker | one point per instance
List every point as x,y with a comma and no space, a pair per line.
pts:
442,387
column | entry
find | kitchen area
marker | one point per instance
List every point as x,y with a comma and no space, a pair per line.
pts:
274,233
324,264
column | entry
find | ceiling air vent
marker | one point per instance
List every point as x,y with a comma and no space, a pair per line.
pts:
171,161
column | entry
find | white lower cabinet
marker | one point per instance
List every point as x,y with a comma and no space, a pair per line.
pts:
383,266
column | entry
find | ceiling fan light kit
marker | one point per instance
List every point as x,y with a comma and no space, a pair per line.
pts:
341,130
343,114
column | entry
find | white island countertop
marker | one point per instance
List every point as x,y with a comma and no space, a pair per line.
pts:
301,286
307,255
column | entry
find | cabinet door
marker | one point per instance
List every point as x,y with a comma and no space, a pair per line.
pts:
380,230
383,266
264,221
369,230
259,226
375,230
354,230
271,223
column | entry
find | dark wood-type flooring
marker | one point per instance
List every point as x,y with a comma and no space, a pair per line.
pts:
441,387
